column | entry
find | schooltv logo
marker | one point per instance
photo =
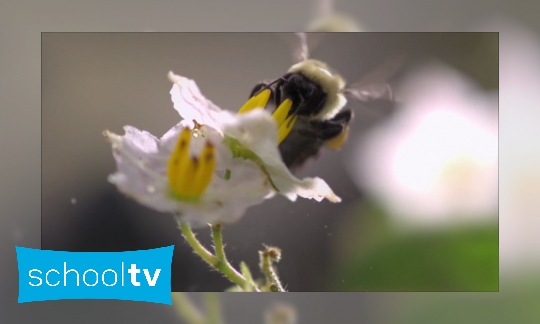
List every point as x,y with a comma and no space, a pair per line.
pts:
143,275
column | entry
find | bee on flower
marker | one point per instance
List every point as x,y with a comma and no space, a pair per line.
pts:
213,165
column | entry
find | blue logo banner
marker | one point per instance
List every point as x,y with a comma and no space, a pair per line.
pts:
143,275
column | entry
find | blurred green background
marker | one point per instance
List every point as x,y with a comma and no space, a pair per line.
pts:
371,258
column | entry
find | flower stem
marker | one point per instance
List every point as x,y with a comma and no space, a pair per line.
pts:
186,309
218,242
197,246
228,270
213,308
219,263
266,258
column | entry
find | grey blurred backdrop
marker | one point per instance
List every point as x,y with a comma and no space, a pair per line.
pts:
21,24
97,81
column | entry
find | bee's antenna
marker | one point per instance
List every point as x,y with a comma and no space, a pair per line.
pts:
302,44
390,92
303,50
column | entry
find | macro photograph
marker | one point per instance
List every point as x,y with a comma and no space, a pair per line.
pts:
277,162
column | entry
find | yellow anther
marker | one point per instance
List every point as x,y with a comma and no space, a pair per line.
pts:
257,101
286,127
186,183
179,159
207,165
338,141
281,113
185,172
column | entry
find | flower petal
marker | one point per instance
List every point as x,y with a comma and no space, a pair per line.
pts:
257,130
141,161
193,106
140,166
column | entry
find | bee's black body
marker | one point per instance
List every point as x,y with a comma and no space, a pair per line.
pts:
308,134
318,98
308,137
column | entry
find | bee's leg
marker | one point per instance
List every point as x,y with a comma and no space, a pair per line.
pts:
321,130
278,97
328,130
339,140
334,132
259,98
343,118
258,88
273,85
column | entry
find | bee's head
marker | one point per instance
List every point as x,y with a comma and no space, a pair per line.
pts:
320,73
330,82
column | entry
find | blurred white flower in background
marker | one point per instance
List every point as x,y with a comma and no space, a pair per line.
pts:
281,313
519,62
336,23
324,18
435,161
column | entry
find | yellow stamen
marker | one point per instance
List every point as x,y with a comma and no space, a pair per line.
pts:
190,176
179,159
338,141
286,127
257,101
207,165
186,183
281,113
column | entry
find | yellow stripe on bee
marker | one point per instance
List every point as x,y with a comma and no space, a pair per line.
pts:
257,101
281,113
337,142
207,165
286,127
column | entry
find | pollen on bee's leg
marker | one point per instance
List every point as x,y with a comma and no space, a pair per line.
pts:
338,141
281,112
259,100
286,128
205,171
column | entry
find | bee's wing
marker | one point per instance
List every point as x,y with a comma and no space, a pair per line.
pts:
374,85
302,44
321,9
371,91
301,52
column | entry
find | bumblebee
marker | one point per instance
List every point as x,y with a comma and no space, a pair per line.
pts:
308,104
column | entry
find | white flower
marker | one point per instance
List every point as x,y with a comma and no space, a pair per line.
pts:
281,313
210,167
519,195
435,162
326,19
